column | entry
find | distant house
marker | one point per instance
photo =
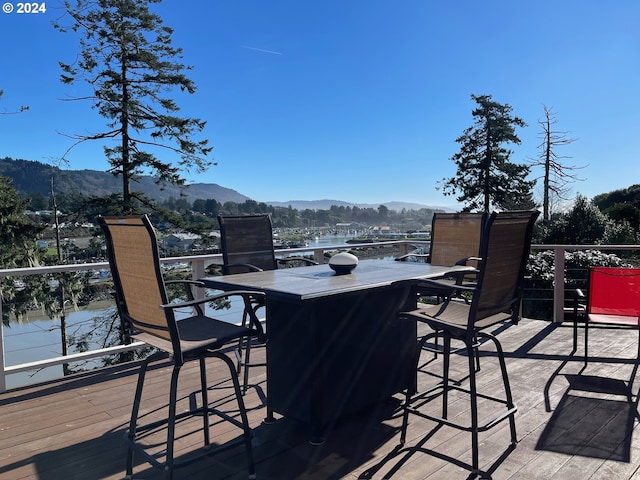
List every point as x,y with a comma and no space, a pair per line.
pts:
181,241
382,230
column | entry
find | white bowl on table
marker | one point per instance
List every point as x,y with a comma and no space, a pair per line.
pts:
343,263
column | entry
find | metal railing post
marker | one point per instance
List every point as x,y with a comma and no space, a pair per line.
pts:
318,255
558,284
197,271
3,375
198,263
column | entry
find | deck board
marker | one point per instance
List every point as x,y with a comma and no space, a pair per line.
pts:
571,422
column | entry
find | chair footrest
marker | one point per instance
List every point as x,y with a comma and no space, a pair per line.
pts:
190,458
190,413
241,361
511,410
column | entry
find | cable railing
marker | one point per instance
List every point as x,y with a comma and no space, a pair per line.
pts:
198,264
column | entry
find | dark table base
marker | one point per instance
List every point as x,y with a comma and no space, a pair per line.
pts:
334,356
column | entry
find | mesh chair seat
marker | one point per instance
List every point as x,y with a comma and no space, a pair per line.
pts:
197,333
455,318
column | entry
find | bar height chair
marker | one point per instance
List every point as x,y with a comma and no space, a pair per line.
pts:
247,246
455,240
143,304
495,298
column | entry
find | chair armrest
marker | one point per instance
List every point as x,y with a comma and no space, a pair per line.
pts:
187,285
188,291
433,283
403,258
308,261
576,303
465,260
459,277
247,295
245,266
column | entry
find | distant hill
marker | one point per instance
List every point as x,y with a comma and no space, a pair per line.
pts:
33,177
326,204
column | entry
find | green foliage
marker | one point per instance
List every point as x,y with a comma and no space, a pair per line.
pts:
538,298
622,206
485,176
584,224
127,58
525,202
17,231
619,233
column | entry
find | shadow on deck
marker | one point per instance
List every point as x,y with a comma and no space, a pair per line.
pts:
572,422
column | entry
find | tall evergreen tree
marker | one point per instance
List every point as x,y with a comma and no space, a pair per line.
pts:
18,235
127,58
485,177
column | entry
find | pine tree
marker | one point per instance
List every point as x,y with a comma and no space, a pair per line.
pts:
18,248
127,58
485,177
18,233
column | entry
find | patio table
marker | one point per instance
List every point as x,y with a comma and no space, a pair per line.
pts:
335,346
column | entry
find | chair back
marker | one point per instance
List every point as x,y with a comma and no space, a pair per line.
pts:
455,237
614,291
504,252
135,267
246,240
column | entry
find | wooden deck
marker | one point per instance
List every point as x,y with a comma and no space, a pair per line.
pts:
571,424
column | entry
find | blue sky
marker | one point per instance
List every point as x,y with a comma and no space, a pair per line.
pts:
357,100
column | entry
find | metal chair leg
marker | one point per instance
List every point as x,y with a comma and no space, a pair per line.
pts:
135,410
445,374
586,342
205,401
475,463
171,425
247,360
247,434
411,389
507,388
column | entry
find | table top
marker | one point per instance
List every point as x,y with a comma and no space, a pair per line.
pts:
306,283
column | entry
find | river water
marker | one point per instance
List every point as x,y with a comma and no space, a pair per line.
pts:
39,339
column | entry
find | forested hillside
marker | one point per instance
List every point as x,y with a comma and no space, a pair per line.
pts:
31,178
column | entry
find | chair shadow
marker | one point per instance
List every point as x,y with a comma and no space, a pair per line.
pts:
402,455
103,456
348,444
586,423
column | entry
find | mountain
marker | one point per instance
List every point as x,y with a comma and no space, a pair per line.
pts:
326,205
32,177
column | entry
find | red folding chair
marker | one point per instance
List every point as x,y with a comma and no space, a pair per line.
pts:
613,301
